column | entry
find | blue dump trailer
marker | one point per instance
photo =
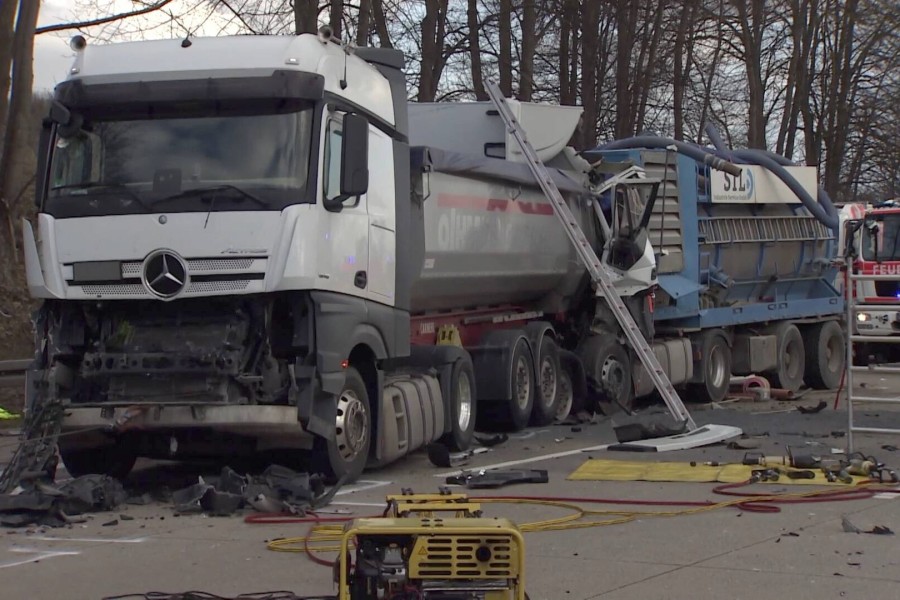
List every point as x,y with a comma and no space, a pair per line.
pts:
746,265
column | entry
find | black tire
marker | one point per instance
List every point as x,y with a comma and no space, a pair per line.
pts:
347,452
114,460
463,405
572,388
546,378
788,374
715,367
608,364
512,413
826,354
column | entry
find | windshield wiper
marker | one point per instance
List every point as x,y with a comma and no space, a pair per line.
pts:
212,190
99,185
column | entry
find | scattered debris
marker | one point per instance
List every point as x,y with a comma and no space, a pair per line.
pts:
494,479
6,415
440,455
806,410
37,501
110,523
876,530
494,440
889,447
743,444
277,490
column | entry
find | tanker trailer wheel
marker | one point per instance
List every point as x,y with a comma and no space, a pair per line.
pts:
571,391
462,405
347,453
826,353
115,460
547,372
506,404
715,367
608,364
790,356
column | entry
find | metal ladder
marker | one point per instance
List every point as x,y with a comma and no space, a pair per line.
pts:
598,272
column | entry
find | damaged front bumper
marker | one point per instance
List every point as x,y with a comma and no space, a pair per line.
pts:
272,427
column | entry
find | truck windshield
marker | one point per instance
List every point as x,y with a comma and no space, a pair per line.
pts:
885,238
247,162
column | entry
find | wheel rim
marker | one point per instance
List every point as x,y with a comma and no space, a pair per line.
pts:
351,430
791,359
834,354
716,366
464,401
567,396
523,383
612,374
548,381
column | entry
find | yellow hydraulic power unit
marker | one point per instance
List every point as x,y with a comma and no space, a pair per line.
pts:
416,553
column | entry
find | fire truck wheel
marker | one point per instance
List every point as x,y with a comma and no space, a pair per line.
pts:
826,353
790,356
347,452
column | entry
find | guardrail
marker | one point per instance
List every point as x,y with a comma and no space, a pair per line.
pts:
12,372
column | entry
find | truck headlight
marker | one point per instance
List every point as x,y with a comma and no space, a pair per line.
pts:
863,317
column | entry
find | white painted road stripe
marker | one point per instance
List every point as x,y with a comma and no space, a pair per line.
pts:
36,555
50,538
513,463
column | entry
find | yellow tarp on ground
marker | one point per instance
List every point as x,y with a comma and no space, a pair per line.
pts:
597,469
5,414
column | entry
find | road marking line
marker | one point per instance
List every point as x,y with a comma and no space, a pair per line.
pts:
361,486
37,555
375,504
512,463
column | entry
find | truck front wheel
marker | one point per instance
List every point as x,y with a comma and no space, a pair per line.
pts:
607,363
462,405
347,452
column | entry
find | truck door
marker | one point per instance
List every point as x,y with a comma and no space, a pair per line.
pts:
343,256
382,218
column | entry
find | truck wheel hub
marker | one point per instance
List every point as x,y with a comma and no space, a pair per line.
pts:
523,383
548,380
613,375
464,392
351,428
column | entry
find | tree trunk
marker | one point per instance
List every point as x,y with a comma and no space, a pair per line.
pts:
529,45
432,66
565,32
336,18
752,25
381,24
589,43
15,137
7,19
626,17
306,16
475,51
683,56
365,23
505,34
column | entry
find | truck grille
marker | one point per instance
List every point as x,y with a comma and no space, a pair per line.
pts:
137,289
450,557
196,265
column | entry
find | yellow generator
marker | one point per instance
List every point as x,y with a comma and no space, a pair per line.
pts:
417,553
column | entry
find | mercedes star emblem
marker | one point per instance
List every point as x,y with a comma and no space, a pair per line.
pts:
165,274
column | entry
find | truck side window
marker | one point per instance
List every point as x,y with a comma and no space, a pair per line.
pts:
332,174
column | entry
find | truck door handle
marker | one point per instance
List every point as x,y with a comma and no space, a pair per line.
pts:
360,280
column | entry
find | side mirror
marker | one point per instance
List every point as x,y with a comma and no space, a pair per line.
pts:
355,156
59,114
